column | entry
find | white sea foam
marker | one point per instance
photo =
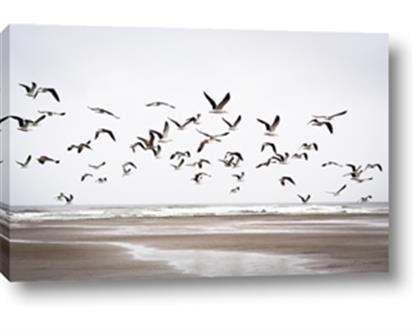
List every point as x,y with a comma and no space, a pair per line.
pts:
82,213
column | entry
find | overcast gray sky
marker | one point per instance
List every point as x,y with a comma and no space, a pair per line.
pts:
294,75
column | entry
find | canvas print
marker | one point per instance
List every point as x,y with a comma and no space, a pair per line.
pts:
152,153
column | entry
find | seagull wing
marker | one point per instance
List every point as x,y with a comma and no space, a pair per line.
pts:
203,133
53,93
5,118
39,119
379,167
329,127
271,145
28,159
353,167
237,121
175,122
166,129
26,87
222,135
275,123
227,122
287,178
224,101
111,134
302,198
156,133
331,117
211,101
341,189
267,126
18,118
202,145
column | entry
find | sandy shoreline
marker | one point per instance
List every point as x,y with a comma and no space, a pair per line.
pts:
198,246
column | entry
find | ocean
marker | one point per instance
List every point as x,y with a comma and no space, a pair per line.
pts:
76,212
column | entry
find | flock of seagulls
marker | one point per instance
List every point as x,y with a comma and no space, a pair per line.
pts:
156,139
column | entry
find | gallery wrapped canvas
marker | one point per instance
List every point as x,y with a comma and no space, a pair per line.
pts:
177,153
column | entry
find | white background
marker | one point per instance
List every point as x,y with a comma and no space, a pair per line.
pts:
340,303
293,75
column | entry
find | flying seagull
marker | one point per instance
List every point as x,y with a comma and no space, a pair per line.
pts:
52,91
68,199
300,156
318,123
356,171
101,180
218,108
80,147
100,110
337,193
235,190
285,179
44,159
182,126
270,127
240,177
309,146
84,176
105,131
24,124
271,145
52,113
127,167
26,162
179,164
370,166
331,163
365,198
195,119
33,90
30,90
160,103
198,177
233,125
213,137
199,163
180,155
268,162
97,167
329,117
304,199
210,139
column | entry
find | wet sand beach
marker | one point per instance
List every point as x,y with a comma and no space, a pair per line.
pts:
207,246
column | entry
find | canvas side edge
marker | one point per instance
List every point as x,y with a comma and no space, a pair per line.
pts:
4,153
